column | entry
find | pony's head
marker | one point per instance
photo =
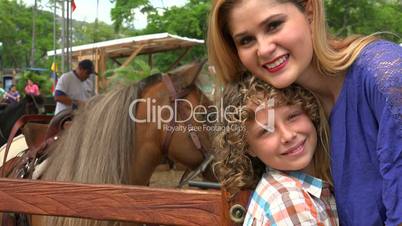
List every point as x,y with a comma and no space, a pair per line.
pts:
33,104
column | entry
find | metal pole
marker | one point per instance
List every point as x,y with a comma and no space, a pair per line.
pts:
68,36
62,36
32,61
71,36
54,31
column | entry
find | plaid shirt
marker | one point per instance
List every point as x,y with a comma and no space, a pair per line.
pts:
293,198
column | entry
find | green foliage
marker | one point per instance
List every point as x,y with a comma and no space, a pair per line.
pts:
347,17
93,32
189,20
130,74
16,34
123,12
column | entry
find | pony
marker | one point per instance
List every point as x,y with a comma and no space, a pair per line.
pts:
116,139
28,105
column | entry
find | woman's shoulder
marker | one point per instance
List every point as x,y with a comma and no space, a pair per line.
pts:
380,55
378,69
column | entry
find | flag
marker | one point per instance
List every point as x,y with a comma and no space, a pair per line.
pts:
73,6
53,75
54,67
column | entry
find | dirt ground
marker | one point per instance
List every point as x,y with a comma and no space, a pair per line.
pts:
165,177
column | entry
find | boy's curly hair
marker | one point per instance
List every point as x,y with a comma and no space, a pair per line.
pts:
234,167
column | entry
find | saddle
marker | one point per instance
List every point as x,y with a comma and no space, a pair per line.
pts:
23,166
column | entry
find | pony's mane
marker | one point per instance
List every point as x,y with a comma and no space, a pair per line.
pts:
98,146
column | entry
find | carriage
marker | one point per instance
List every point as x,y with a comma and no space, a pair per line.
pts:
83,166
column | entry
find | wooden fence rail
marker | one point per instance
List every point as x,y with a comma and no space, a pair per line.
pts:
117,202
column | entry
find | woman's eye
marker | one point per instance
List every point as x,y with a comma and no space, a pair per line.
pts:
272,26
245,41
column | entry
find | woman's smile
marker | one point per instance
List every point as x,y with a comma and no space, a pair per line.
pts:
277,64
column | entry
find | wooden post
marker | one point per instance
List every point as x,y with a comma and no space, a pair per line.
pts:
132,56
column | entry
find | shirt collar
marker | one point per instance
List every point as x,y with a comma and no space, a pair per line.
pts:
310,184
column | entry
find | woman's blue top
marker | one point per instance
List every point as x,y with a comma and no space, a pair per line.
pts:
366,139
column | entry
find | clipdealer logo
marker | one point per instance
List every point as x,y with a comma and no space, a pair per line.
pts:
162,115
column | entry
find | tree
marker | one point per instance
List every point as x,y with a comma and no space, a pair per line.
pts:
123,12
16,34
347,17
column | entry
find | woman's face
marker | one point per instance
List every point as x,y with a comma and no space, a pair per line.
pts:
290,145
273,40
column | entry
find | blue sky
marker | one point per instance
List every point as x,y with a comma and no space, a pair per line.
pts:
86,9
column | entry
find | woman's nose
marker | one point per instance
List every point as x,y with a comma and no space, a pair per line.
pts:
265,47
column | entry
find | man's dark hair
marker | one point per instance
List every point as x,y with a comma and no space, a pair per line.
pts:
86,65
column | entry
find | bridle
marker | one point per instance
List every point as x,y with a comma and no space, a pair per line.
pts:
182,113
40,109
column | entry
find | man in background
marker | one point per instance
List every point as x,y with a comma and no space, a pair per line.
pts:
75,87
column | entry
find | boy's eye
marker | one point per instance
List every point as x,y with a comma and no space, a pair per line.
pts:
294,115
264,132
272,26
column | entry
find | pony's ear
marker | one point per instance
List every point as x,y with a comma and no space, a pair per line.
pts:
188,73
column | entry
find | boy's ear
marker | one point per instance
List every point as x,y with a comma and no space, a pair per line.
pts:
251,153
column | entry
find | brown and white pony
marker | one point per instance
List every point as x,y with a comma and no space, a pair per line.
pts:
104,145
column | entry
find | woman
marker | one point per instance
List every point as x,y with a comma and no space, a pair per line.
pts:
357,79
31,88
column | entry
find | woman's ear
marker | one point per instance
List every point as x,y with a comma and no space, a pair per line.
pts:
309,11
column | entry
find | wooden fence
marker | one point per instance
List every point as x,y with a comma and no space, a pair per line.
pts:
119,202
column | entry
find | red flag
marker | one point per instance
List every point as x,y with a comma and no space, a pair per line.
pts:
73,6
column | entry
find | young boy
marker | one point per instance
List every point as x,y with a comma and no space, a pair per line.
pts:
279,139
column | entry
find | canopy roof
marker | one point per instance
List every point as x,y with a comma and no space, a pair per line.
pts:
124,47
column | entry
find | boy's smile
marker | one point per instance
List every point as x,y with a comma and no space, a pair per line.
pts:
290,146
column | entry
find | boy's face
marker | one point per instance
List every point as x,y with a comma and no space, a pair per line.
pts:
289,145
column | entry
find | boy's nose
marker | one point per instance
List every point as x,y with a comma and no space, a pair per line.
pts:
287,134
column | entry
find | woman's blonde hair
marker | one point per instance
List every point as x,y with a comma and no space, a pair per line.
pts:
331,55
234,167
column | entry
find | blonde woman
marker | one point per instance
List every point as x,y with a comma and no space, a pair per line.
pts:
357,80
287,154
